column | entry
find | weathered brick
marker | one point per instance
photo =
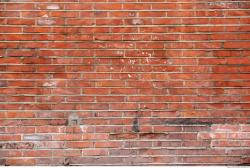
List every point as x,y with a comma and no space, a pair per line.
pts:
151,82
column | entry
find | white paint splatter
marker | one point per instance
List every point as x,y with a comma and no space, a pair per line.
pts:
83,128
132,61
53,7
50,84
45,16
119,52
46,21
222,4
137,21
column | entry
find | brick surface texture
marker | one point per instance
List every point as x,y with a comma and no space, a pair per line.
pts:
124,82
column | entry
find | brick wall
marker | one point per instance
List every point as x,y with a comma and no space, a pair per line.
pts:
124,82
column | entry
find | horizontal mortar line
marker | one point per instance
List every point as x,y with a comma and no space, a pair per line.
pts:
113,140
223,165
125,42
134,156
122,25
127,125
125,33
130,33
130,17
127,10
117,57
116,125
130,155
132,148
94,87
129,72
146,163
132,49
166,133
122,50
124,65
122,110
120,140
74,111
125,26
125,102
128,41
181,80
209,40
128,79
60,2
179,126
152,110
52,58
132,140
117,95
135,140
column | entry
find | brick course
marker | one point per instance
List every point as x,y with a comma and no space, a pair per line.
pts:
124,82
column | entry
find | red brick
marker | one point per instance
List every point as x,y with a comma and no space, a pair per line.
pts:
148,82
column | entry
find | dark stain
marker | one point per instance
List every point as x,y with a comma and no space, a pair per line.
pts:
66,162
19,145
3,83
244,164
73,120
136,126
123,136
3,162
188,121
